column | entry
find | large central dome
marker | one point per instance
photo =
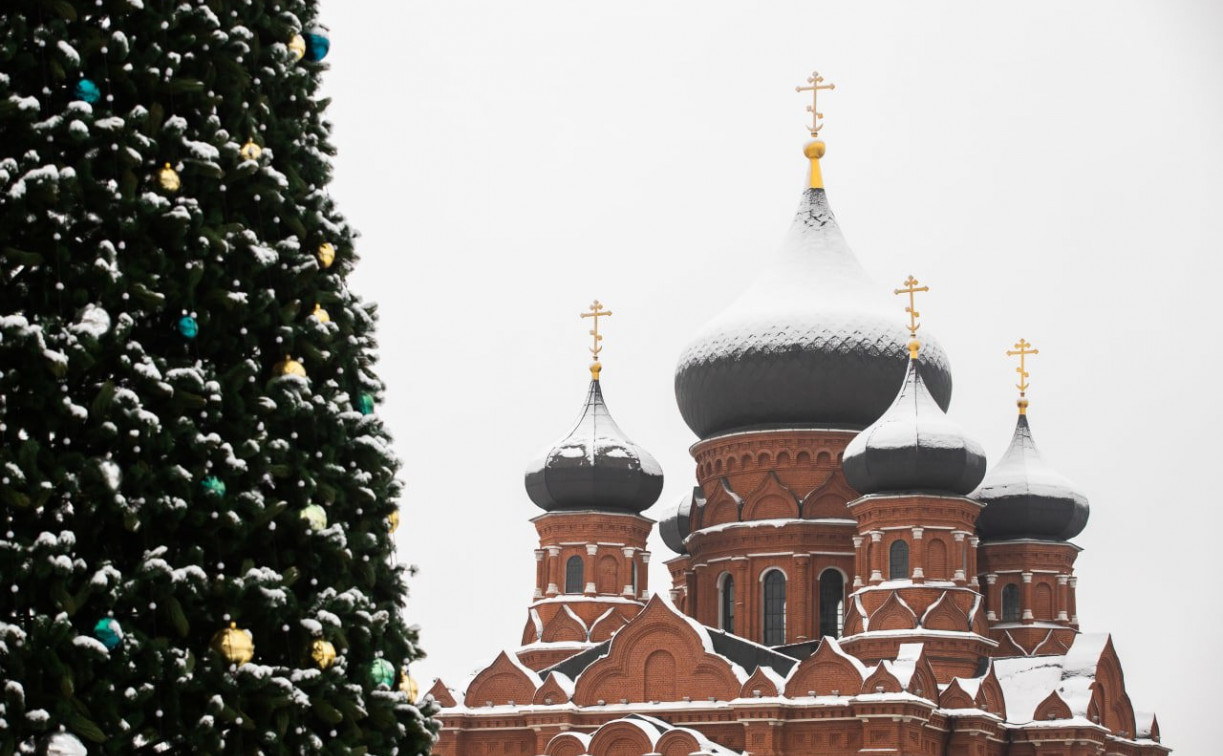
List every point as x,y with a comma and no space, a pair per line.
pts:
813,342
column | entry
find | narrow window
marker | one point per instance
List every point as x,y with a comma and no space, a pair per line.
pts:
573,575
728,603
1010,603
898,561
832,603
636,591
774,608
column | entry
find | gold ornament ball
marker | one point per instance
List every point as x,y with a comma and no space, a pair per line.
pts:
251,151
409,686
315,516
237,646
393,520
298,46
290,366
168,178
326,254
322,315
323,653
814,150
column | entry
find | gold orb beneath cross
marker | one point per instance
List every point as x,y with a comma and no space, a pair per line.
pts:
322,315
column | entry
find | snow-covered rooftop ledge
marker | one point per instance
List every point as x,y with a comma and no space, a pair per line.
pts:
1046,541
969,713
891,585
1041,624
780,522
918,633
694,705
565,598
784,429
909,494
558,646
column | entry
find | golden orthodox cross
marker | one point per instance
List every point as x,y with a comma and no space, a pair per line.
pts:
814,80
596,312
1022,350
911,288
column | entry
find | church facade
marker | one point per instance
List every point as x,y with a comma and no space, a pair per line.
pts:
849,576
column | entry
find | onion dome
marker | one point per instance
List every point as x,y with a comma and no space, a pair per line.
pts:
811,343
1025,498
914,446
595,466
675,527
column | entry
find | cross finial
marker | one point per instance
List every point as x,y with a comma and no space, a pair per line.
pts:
911,288
596,312
1022,350
815,81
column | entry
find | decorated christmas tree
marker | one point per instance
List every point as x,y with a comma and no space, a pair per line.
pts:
196,493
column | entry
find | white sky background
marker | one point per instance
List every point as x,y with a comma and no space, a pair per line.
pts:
1052,173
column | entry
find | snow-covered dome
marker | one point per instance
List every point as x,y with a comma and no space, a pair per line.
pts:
595,466
674,528
813,341
1025,498
914,447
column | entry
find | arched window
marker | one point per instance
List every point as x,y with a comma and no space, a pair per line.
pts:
832,603
1010,603
573,575
726,602
774,608
898,561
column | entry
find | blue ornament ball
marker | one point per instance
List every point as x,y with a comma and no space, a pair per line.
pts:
108,631
88,91
365,404
318,42
188,327
382,672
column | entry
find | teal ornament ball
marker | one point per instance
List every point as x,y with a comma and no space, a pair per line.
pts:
188,327
214,485
365,404
318,42
87,91
108,631
382,672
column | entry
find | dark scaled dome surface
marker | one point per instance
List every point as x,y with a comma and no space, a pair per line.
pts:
1025,498
676,526
595,466
812,342
914,447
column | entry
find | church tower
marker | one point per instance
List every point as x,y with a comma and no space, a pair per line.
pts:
1026,558
592,564
915,543
776,387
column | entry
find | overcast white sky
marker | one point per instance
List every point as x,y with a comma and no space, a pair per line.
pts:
1051,170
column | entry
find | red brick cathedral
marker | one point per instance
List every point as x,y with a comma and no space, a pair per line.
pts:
851,578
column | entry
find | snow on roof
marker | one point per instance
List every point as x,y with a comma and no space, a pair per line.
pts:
1023,472
1028,680
914,420
777,522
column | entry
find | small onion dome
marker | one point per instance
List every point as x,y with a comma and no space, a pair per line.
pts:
813,342
1025,498
674,528
595,466
914,447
